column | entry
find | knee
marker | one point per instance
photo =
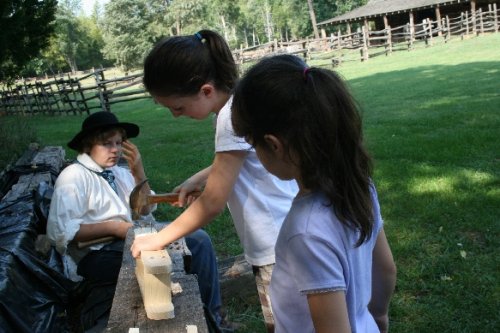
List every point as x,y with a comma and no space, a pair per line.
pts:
199,240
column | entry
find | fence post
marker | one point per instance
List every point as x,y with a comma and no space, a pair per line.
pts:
101,89
26,98
83,102
339,40
467,30
481,23
429,21
408,32
443,29
389,40
473,16
495,16
412,29
462,20
448,32
438,20
364,49
367,28
349,33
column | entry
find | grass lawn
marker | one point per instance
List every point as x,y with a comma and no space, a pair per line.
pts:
432,124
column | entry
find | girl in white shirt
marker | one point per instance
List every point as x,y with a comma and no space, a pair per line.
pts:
194,76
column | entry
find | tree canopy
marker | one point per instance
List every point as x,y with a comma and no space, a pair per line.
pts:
37,38
25,28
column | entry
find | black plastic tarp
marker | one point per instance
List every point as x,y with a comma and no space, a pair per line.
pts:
34,294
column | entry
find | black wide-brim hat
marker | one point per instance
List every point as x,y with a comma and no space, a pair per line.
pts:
101,120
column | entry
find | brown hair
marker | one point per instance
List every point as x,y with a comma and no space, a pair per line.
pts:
180,65
99,136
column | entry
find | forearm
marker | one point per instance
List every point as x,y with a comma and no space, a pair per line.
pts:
204,209
200,213
383,281
200,177
97,230
329,312
382,290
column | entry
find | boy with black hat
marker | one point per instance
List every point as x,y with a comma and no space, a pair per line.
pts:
91,200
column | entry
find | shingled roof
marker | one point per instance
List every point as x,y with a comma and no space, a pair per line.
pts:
381,7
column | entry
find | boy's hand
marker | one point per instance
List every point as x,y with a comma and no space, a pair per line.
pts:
133,157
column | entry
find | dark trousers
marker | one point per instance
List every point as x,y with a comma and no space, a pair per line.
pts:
100,271
204,265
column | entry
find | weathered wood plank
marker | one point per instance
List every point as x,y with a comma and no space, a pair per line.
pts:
128,307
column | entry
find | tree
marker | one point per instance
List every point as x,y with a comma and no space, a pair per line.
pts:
91,44
186,15
225,16
313,18
68,33
126,32
25,29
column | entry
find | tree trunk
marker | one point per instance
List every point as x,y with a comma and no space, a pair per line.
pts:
224,27
313,18
269,21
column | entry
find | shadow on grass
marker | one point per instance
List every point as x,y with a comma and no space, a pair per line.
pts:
433,132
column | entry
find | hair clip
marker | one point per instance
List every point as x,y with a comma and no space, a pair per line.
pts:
200,37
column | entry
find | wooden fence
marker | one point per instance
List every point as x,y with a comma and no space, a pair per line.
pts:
70,96
339,47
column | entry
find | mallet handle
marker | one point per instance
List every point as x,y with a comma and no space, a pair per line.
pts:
168,197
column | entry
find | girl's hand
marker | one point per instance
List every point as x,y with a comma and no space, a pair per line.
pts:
146,243
184,189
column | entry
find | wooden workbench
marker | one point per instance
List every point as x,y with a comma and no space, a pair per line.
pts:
128,307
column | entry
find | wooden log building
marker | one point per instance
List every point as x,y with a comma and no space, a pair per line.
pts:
384,13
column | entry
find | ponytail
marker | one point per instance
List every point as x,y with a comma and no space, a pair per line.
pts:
180,65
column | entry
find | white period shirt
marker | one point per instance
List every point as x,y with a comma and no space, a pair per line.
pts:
82,196
259,201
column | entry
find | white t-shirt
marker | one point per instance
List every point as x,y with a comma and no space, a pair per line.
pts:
84,197
259,201
315,252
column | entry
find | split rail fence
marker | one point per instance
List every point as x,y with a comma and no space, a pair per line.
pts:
364,44
70,96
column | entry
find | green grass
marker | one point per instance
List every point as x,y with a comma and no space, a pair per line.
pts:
15,136
432,124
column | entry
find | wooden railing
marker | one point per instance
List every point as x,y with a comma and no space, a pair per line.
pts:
71,95
369,43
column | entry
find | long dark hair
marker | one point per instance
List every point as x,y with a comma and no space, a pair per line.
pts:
312,111
180,65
